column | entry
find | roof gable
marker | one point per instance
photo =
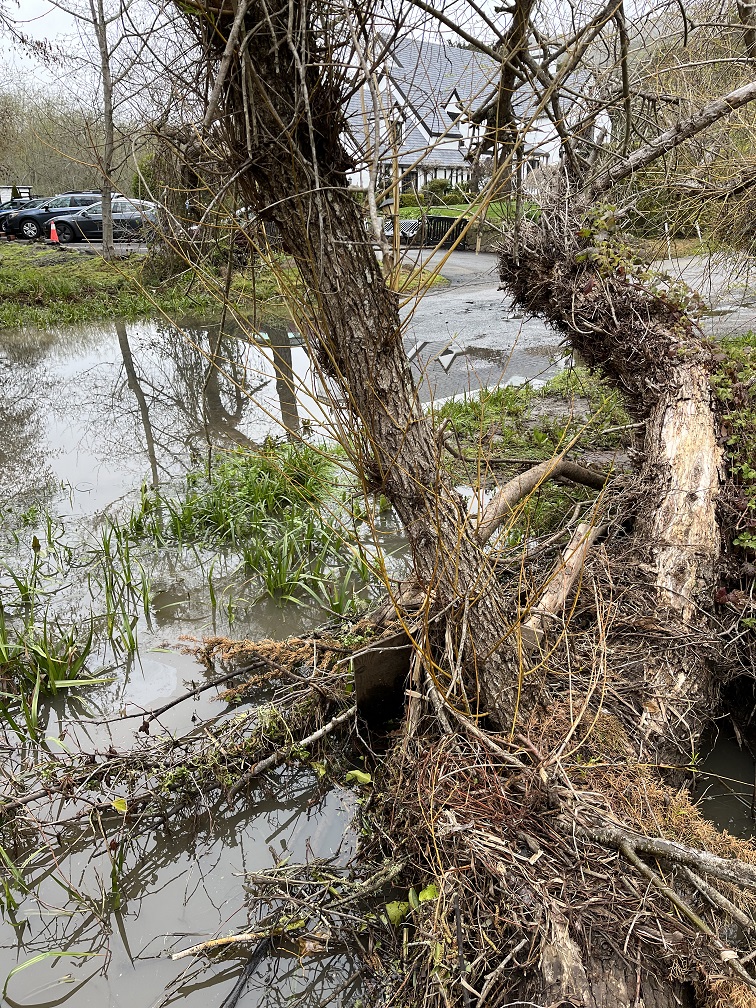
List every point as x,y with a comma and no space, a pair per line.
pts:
431,76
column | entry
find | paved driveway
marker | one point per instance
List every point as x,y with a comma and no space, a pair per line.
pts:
467,336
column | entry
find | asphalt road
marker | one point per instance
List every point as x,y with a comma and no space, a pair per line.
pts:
467,335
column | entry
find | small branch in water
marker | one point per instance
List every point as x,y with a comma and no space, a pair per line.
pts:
216,943
277,759
345,986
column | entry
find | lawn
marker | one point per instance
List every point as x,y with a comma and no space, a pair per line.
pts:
498,211
41,285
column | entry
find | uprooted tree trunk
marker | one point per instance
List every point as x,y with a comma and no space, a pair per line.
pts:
636,328
615,647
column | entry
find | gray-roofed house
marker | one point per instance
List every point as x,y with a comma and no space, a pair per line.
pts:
429,94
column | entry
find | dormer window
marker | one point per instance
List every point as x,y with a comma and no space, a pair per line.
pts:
454,107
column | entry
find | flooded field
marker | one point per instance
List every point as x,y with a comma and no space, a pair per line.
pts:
110,428
97,420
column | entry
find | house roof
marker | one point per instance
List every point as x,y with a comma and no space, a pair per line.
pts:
416,148
430,77
427,78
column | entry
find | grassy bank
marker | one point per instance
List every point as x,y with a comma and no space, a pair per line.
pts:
41,285
493,433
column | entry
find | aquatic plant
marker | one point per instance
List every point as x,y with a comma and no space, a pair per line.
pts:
228,502
280,509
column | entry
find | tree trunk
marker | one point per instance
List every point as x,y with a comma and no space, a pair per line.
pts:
276,109
646,341
100,25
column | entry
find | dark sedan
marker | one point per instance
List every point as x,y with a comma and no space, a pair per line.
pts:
31,222
131,219
13,206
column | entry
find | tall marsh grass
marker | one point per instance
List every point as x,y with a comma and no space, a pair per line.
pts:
277,521
280,510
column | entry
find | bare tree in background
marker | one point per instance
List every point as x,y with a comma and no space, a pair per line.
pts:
126,35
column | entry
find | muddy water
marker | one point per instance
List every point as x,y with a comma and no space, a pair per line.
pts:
90,414
87,416
725,784
177,887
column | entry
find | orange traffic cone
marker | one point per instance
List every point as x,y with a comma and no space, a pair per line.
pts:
54,234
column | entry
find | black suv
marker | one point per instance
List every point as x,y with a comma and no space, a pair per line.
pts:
29,222
6,209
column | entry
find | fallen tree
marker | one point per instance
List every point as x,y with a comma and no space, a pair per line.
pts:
551,713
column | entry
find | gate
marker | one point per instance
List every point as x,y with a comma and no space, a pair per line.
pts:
427,232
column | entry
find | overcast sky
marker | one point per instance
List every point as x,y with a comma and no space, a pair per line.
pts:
42,20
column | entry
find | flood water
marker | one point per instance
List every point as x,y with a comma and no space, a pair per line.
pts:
89,415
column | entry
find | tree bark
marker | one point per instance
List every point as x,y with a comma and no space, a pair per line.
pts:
648,344
100,24
279,116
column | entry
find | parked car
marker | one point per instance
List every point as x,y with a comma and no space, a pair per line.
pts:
29,222
9,207
131,218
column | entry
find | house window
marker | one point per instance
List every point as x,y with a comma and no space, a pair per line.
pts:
409,182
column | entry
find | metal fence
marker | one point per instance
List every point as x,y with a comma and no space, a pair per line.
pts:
417,232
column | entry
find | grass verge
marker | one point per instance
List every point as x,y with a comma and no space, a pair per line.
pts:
521,423
539,422
44,286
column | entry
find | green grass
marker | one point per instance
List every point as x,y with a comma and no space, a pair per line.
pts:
526,423
537,423
734,383
43,286
496,212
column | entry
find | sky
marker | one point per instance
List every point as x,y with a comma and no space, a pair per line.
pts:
41,20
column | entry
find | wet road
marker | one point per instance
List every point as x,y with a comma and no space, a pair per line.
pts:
467,335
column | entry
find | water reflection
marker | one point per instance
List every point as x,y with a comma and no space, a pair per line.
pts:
198,387
181,881
280,343
135,387
186,392
90,413
24,458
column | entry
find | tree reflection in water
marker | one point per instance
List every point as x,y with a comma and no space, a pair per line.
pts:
185,391
26,473
180,879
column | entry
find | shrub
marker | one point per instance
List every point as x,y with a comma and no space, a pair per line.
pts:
434,192
411,200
